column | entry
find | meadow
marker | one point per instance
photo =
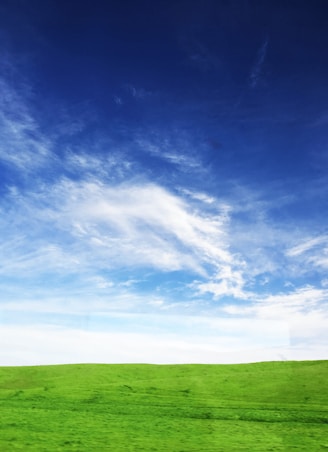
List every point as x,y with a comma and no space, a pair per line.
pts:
273,406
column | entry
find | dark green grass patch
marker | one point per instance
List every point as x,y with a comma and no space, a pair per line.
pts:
277,406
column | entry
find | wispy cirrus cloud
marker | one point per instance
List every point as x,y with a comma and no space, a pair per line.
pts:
127,225
300,301
313,251
307,245
89,226
256,70
138,93
177,152
23,145
111,166
200,196
199,55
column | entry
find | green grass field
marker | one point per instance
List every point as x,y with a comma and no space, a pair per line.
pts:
277,406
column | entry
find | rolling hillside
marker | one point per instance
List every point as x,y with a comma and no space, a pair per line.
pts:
278,406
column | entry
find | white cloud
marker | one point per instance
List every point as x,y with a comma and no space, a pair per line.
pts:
301,298
163,339
28,260
228,282
85,228
174,151
203,197
307,245
300,301
305,312
141,225
92,334
22,143
143,338
313,252
112,165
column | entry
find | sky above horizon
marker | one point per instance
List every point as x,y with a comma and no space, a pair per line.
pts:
163,181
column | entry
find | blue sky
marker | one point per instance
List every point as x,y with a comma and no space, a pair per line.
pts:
163,181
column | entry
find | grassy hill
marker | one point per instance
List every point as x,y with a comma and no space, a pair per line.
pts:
278,406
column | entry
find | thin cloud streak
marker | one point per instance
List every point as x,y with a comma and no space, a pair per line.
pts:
307,245
23,146
174,151
256,70
313,252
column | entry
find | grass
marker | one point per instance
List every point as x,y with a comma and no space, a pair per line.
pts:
278,406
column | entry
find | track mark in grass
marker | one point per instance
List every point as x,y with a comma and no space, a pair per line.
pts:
18,393
71,443
185,391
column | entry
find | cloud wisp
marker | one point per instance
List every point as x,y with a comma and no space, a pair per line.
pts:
256,71
129,225
175,151
313,251
23,146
